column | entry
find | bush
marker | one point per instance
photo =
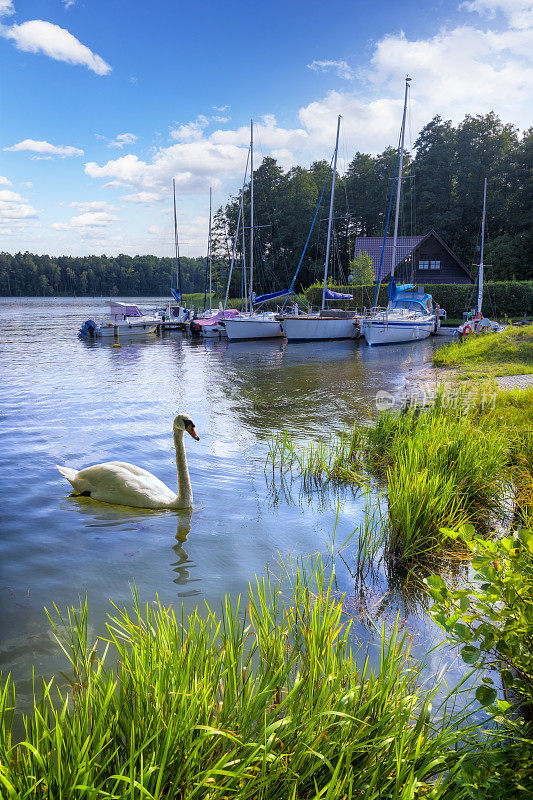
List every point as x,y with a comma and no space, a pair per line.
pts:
513,298
492,622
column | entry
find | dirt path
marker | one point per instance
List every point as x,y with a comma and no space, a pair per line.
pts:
515,382
422,386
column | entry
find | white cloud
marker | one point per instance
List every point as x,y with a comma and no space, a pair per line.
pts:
123,139
68,3
341,68
222,109
27,184
6,8
142,197
34,146
518,12
14,208
5,181
87,221
92,205
38,36
190,131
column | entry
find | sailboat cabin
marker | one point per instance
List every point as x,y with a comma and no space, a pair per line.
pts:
419,259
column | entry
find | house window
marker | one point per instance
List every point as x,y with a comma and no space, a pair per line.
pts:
423,265
434,264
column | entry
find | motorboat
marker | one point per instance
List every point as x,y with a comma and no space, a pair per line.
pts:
124,320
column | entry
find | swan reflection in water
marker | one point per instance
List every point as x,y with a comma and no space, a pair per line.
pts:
109,517
182,565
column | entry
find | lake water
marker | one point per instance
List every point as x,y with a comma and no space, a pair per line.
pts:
76,403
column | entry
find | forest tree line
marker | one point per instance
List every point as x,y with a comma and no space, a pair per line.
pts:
442,190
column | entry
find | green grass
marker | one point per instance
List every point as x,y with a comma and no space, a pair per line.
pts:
262,700
455,462
197,300
507,353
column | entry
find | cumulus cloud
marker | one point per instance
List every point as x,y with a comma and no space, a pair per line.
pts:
87,221
14,208
122,139
91,205
341,68
518,12
190,131
38,36
6,8
142,197
5,181
45,148
27,184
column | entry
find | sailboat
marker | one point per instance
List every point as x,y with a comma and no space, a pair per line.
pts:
176,313
409,315
254,324
478,323
326,324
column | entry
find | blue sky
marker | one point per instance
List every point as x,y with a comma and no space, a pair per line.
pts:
102,104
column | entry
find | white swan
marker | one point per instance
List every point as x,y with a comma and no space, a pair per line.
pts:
127,485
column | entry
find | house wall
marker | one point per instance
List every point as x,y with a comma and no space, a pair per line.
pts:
449,272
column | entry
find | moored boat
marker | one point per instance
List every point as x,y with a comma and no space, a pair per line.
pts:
124,319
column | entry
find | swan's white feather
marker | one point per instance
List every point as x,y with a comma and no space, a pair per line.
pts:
125,484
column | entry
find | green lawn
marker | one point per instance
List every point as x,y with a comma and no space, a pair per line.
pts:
491,355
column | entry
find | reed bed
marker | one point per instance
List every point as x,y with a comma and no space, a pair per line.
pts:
339,459
458,461
266,701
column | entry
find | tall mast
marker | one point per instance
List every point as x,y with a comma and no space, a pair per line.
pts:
243,252
251,210
176,243
210,255
331,212
399,187
480,273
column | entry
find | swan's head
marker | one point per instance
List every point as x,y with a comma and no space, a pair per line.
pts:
183,422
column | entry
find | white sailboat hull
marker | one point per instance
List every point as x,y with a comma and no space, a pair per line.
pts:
393,330
253,328
307,328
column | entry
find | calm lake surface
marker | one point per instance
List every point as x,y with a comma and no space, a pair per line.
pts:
76,403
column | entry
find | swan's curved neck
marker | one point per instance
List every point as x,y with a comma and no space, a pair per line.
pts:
184,499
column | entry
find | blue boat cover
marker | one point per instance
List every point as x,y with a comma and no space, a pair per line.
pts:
330,295
262,298
176,295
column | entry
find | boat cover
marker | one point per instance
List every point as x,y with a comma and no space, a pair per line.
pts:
176,295
262,298
210,321
331,295
124,310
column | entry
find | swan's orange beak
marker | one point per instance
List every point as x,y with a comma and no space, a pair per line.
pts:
190,429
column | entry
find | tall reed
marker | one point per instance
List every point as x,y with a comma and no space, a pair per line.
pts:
263,700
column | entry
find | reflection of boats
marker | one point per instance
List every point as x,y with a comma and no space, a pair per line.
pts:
327,323
409,315
476,322
124,319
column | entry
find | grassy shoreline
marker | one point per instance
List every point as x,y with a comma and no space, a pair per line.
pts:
509,352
